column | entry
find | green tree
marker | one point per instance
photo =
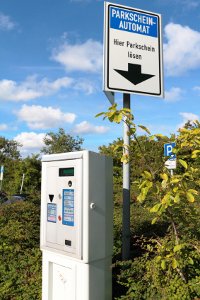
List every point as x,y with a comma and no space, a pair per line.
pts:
8,149
9,157
168,266
61,142
31,168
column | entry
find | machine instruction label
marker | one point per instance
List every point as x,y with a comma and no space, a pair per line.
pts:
51,212
68,207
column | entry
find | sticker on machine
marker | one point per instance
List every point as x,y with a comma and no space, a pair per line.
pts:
68,207
51,212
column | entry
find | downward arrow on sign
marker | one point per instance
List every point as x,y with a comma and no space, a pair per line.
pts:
134,74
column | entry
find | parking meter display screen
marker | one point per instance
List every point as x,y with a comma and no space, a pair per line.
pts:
66,172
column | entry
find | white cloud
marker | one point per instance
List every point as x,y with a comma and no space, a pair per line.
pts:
31,142
192,4
86,86
187,4
87,128
5,22
80,57
197,88
3,127
31,88
187,117
173,95
40,117
181,52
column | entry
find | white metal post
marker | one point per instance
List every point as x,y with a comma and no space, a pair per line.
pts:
1,176
126,188
22,183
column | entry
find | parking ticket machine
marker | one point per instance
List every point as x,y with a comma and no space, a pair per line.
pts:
76,226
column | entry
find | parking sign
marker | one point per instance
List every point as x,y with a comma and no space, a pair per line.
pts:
132,51
168,150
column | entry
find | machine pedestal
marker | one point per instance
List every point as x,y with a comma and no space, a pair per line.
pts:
66,278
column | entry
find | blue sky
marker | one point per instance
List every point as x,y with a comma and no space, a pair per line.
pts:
51,70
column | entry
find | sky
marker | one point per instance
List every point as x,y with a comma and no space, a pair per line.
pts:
51,62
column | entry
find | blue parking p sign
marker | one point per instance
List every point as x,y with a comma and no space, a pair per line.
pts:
168,150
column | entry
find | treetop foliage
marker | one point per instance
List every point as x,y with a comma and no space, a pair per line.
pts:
8,149
173,200
61,142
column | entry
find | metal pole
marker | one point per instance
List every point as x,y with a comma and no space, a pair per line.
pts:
126,189
22,183
1,176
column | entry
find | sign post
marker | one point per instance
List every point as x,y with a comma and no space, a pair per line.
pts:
22,183
126,188
132,64
1,176
170,164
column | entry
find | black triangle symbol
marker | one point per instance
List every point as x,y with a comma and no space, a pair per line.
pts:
134,74
51,197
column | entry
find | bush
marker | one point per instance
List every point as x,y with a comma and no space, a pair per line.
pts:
144,279
20,266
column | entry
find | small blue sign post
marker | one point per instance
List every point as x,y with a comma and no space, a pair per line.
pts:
168,152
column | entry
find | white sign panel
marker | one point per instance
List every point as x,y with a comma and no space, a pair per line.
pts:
170,163
132,51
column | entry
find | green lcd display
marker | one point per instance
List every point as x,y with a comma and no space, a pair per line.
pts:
66,172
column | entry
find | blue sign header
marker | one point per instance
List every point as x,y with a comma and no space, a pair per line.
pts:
168,150
133,21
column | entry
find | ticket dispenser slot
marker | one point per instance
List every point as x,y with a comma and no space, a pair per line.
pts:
64,206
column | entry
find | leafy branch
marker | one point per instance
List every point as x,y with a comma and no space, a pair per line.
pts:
169,194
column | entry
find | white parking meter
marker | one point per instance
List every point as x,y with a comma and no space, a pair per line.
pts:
76,226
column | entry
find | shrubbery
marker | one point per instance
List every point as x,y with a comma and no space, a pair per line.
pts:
20,266
166,262
165,223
